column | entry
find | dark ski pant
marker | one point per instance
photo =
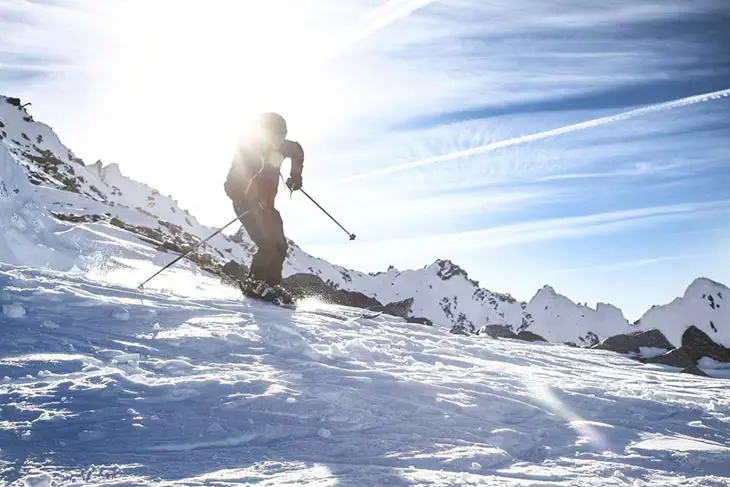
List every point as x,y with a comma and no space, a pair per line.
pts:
266,229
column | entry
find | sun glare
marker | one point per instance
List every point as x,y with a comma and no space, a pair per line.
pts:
186,78
241,57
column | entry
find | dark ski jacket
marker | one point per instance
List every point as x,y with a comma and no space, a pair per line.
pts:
254,173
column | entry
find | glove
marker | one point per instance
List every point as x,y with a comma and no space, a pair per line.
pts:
294,182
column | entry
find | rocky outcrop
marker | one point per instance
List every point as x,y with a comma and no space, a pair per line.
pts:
496,331
529,336
502,331
697,345
420,320
633,342
459,330
694,370
674,358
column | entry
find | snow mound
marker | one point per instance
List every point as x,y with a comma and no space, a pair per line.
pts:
28,234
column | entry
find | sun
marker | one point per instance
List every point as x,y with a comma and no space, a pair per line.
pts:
244,56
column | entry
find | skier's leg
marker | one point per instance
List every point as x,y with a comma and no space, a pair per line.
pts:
254,223
279,246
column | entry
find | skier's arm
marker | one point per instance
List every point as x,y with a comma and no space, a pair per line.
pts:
293,150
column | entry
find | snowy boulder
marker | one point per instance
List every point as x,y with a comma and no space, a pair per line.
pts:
698,344
420,320
497,331
674,358
529,336
459,330
694,370
634,342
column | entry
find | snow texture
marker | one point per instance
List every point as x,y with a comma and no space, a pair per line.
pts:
194,390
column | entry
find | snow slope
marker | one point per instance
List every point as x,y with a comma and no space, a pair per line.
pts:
100,201
102,385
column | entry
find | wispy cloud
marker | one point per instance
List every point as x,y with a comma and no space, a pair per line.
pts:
619,266
605,223
540,135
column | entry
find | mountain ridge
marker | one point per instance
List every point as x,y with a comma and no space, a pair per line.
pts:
442,291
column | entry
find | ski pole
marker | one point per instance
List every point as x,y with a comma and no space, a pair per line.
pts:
194,248
352,235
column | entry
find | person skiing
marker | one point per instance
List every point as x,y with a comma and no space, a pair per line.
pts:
252,184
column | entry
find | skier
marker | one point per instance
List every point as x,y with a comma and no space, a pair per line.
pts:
252,184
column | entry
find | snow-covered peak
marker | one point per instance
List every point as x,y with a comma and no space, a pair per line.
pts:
111,173
446,269
18,130
705,304
557,318
705,286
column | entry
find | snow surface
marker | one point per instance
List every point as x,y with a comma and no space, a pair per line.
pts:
209,389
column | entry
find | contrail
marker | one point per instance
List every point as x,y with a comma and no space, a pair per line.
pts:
681,102
377,19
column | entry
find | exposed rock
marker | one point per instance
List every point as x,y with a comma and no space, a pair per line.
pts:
698,345
459,330
529,336
674,358
590,339
419,319
398,308
632,342
447,270
694,370
497,331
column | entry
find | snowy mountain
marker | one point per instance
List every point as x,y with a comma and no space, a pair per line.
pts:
59,213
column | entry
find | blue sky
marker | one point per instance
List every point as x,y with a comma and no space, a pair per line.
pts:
576,144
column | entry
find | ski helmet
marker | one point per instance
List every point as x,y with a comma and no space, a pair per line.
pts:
274,124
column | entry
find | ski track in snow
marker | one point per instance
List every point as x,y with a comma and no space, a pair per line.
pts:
103,385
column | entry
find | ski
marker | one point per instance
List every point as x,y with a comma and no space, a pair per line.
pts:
294,307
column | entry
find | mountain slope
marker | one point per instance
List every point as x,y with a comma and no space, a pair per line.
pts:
103,385
97,202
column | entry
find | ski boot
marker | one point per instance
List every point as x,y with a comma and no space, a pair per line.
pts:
257,289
